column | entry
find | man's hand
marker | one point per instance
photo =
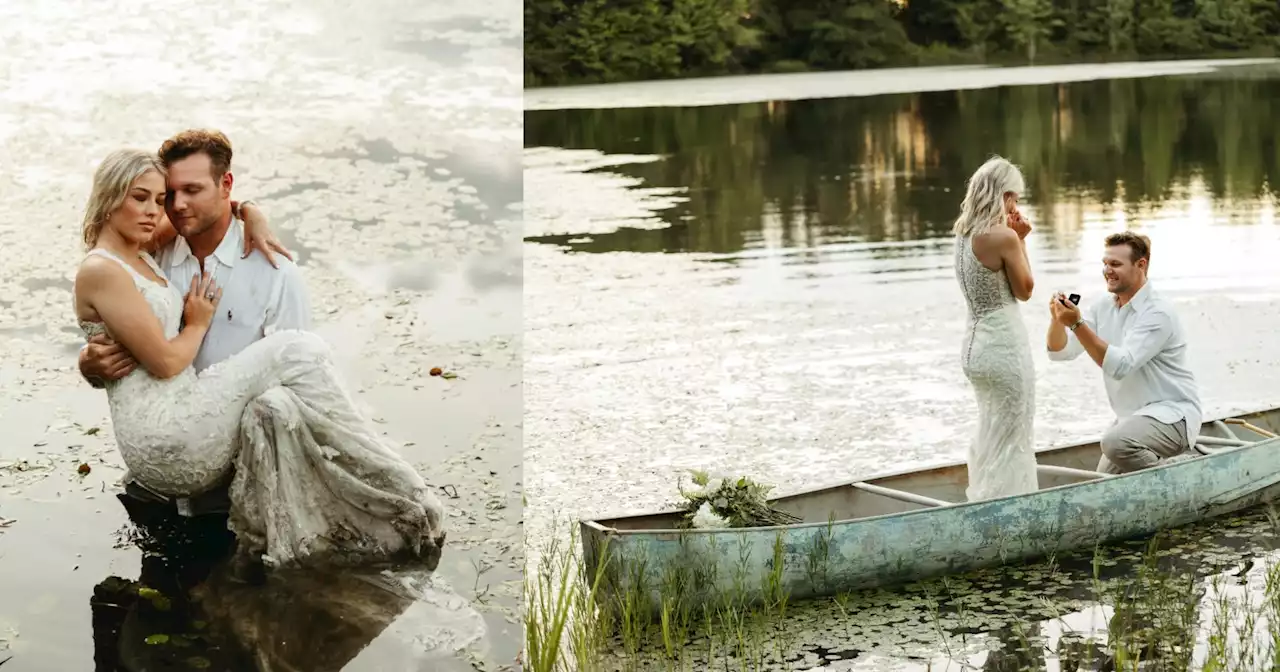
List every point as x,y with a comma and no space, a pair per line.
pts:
105,360
1055,306
1064,312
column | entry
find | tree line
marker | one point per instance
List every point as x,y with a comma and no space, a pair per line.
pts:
595,41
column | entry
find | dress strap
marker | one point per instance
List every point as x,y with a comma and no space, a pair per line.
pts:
151,261
138,277
112,256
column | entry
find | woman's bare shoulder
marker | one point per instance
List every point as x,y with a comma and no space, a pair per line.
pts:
998,236
95,267
96,271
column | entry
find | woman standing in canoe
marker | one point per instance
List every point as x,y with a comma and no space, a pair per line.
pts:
994,274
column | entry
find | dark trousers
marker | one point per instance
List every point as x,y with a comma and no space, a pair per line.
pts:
178,554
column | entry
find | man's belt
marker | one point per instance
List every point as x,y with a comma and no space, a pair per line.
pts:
215,500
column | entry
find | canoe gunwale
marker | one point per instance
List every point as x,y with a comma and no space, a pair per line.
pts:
595,526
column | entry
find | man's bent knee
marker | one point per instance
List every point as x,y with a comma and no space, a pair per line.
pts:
1123,447
1114,441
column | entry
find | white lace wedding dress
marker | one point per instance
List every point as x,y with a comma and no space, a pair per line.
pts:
313,483
996,358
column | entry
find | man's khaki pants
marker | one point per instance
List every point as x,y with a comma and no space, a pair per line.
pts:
1138,442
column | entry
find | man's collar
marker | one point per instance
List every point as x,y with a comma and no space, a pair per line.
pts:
227,251
1138,299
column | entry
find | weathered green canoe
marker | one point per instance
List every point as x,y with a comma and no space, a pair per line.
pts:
911,525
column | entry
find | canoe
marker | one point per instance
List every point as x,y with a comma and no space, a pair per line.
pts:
915,524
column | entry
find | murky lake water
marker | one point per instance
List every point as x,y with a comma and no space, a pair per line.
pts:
382,142
766,288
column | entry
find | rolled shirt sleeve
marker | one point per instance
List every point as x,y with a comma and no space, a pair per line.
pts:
1143,341
1072,349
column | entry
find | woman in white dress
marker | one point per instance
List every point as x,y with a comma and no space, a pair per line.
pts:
339,495
994,274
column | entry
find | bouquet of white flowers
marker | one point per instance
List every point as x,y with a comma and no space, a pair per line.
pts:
726,502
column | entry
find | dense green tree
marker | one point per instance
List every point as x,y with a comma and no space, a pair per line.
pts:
1229,24
585,41
1028,23
976,24
834,34
1104,26
612,40
933,21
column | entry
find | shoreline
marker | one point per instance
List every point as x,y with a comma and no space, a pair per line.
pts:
729,89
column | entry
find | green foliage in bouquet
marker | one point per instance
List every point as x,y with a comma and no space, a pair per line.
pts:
729,502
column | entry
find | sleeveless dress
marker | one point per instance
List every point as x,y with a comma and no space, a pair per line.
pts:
313,484
996,358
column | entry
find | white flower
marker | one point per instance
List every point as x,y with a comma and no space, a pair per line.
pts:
706,519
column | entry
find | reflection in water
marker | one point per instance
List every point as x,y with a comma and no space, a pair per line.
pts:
191,608
827,347
304,81
1019,649
892,168
1153,592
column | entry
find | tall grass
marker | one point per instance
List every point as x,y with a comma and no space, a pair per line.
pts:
564,627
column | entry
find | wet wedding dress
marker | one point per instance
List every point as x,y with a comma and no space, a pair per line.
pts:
996,358
313,483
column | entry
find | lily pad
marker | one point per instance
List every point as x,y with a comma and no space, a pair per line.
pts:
157,639
155,597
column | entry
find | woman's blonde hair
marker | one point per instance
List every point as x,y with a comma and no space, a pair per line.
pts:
983,206
111,184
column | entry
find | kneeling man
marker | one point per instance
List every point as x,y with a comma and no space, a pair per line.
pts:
1136,339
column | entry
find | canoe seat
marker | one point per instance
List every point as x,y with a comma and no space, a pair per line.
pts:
1085,474
900,495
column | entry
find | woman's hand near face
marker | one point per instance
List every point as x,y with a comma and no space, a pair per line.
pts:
1019,224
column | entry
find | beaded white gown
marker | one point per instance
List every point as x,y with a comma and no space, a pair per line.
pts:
996,358
313,484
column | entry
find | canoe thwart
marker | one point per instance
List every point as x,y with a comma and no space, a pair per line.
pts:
1225,429
1068,471
1206,450
900,494
1219,441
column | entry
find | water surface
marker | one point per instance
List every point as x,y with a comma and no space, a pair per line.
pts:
382,143
766,288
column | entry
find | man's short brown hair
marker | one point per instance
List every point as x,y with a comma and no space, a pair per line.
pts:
1139,245
197,140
